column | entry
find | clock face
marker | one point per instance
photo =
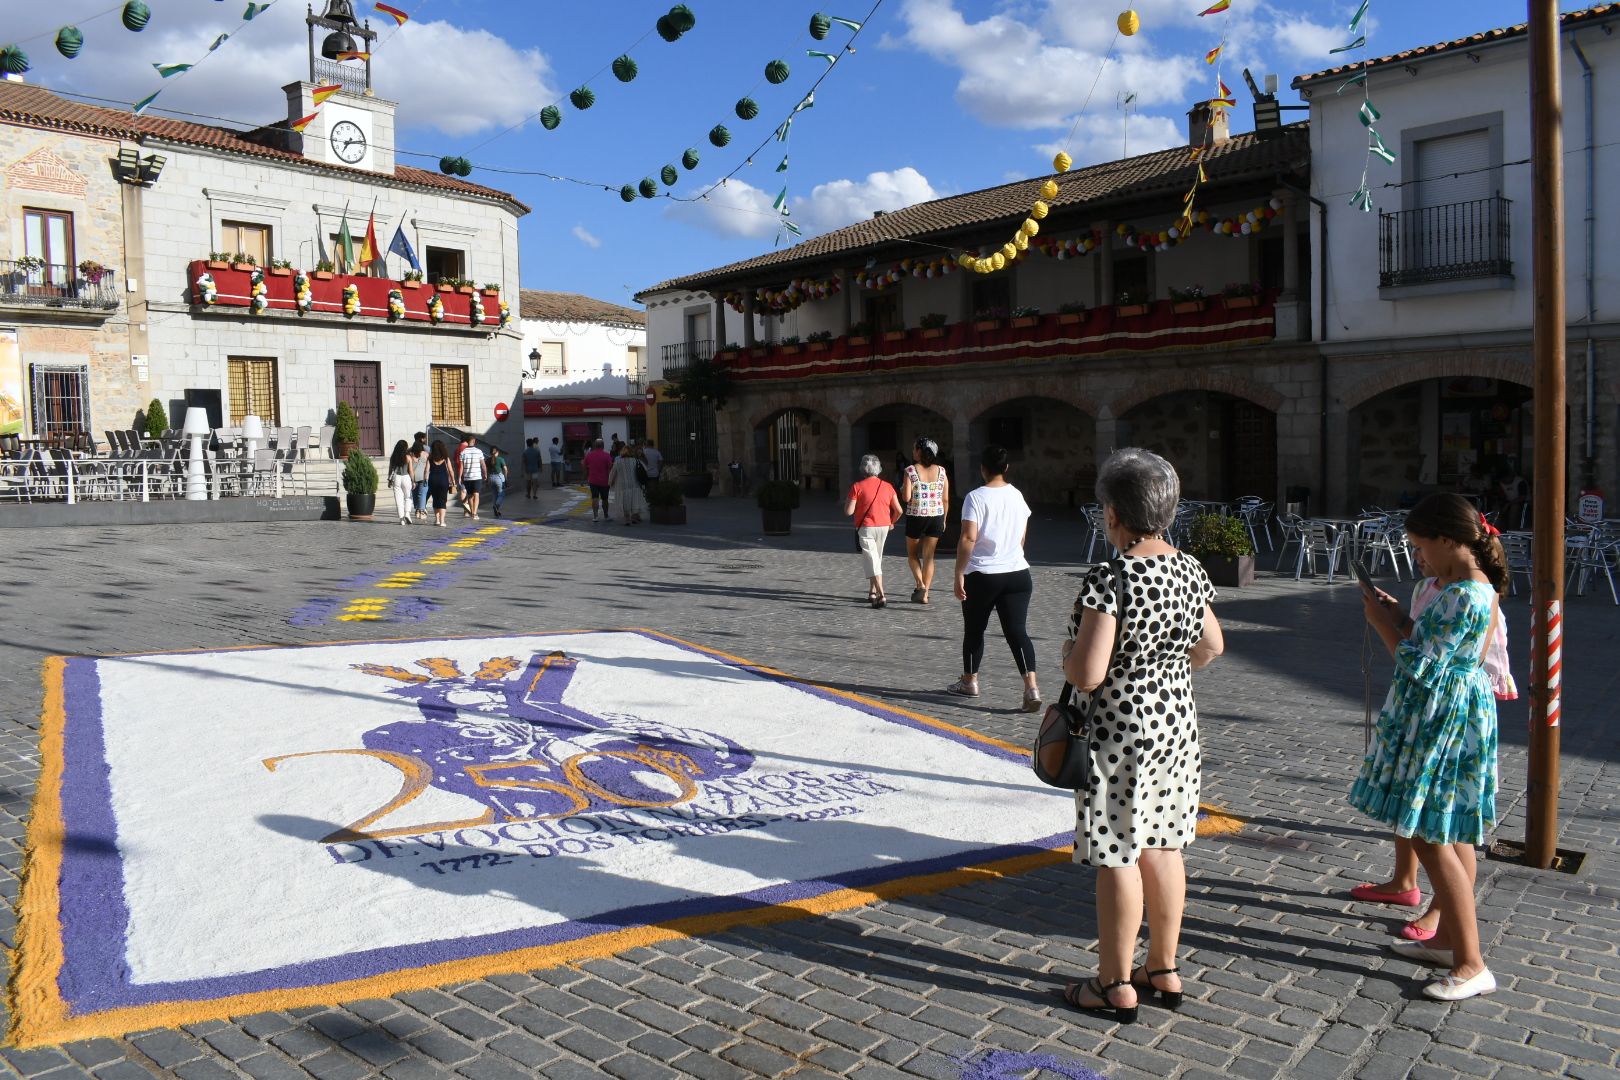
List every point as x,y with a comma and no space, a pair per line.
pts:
348,141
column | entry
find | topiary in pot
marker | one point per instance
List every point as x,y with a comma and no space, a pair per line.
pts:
345,429
667,502
360,482
1223,546
777,500
157,420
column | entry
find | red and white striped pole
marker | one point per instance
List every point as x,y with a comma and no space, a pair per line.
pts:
1547,578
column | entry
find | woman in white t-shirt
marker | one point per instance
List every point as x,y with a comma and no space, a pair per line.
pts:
993,575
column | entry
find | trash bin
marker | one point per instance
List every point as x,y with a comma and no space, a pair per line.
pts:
1297,501
737,477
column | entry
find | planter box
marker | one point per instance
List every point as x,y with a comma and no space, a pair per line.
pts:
280,271
791,349
759,351
1128,310
894,335
1024,322
410,284
817,346
1230,573
859,340
218,264
1241,301
987,324
243,266
465,290
321,275
934,332
1071,318
697,485
492,292
727,355
1187,307
667,515
777,522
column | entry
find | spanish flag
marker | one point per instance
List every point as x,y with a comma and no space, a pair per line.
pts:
354,56
1216,8
304,122
1213,54
369,251
399,17
321,93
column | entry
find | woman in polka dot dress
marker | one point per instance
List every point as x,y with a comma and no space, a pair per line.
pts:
1141,808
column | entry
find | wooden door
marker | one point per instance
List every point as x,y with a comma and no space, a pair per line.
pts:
1252,467
359,382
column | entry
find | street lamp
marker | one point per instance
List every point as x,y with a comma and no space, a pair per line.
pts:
196,429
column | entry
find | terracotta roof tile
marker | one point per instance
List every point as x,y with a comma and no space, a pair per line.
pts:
21,103
1242,158
1484,37
572,307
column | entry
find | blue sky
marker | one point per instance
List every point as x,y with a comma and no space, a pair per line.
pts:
940,97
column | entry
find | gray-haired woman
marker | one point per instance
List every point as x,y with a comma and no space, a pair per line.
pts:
875,507
1141,808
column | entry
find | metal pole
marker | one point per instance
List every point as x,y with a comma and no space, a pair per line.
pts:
1547,254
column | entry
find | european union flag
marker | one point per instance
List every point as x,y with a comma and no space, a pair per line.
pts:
402,247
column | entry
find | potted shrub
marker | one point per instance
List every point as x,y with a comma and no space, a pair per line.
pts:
243,261
777,500
464,286
345,430
666,502
324,269
1222,545
157,420
281,267
1240,294
1127,304
492,288
895,335
1072,314
219,260
412,279
790,344
728,351
860,333
1186,300
360,482
820,340
92,271
933,324
988,318
1025,317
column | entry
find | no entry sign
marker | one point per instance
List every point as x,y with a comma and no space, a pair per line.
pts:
501,410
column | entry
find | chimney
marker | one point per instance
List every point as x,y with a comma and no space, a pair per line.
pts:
877,213
1204,127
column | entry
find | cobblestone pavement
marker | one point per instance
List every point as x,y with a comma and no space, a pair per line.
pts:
1286,976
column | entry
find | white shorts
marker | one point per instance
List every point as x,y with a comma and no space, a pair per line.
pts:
872,539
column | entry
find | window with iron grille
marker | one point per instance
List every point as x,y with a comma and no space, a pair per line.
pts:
61,399
449,386
253,390
246,238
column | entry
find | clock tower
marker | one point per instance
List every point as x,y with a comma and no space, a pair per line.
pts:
353,127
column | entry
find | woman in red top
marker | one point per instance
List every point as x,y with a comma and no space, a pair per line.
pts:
875,507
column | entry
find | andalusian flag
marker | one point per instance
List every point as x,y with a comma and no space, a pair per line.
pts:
1216,8
304,122
399,17
140,106
167,70
321,93
781,201
345,247
254,10
354,56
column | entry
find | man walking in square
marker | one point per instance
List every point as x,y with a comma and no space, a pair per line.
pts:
531,466
653,458
556,453
471,462
598,464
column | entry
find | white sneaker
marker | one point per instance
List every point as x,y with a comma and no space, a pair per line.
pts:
1451,988
1422,954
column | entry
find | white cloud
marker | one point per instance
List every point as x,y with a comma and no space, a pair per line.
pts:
585,237
441,75
1107,138
734,209
1304,39
739,209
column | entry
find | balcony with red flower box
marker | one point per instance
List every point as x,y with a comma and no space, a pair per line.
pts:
233,291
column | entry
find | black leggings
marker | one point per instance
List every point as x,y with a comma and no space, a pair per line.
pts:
1008,595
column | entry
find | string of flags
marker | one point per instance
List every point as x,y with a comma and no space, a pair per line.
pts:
1368,113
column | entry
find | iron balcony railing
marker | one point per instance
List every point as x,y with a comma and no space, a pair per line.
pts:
684,353
1453,242
24,281
350,76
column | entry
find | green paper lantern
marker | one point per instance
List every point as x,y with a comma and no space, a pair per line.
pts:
136,16
682,17
463,167
820,26
550,117
69,40
669,175
648,188
447,165
627,193
583,98
689,160
747,108
718,135
624,68
13,61
667,29
776,72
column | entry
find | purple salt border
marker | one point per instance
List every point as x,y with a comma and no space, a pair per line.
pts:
95,916
438,579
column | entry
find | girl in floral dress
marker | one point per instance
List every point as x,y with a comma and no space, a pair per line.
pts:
1431,772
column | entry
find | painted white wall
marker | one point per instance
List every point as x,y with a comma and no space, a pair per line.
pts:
589,350
1446,88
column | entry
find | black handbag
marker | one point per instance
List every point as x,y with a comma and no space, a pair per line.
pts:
1061,756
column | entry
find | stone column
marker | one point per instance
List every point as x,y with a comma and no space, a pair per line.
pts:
1293,309
1107,435
1104,278
748,318
964,454
719,324
847,289
846,454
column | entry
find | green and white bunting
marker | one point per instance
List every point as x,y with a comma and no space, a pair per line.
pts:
1368,113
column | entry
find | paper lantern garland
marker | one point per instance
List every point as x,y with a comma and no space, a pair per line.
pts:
550,117
624,68
689,160
69,40
13,61
820,25
136,15
455,166
777,72
718,135
1128,22
781,301
583,98
682,17
747,108
893,274
648,187
627,193
669,175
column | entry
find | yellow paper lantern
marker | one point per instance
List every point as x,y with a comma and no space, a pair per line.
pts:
1038,211
1020,242
1008,250
965,261
1122,228
1030,227
1062,162
997,261
1049,189
1128,23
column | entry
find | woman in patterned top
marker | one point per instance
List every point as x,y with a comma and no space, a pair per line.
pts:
1431,772
925,489
1141,807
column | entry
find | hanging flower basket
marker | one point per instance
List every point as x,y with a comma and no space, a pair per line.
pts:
435,309
301,299
351,300
396,305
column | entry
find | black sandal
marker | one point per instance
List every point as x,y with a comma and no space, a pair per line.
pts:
1170,999
1123,1014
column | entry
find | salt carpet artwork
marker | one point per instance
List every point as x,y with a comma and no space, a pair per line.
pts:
220,833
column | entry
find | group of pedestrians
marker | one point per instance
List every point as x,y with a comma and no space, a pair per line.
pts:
422,473
535,459
621,475
1143,622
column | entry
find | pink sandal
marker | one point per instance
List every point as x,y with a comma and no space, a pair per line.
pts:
1373,895
1413,932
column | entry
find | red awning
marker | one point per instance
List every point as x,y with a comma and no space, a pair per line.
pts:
542,408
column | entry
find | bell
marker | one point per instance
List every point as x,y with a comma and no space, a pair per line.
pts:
340,11
336,44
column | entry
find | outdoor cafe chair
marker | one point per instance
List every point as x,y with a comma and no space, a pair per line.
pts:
324,449
283,441
306,436
1319,538
1289,528
1384,538
1589,553
1094,518
1256,518
262,480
